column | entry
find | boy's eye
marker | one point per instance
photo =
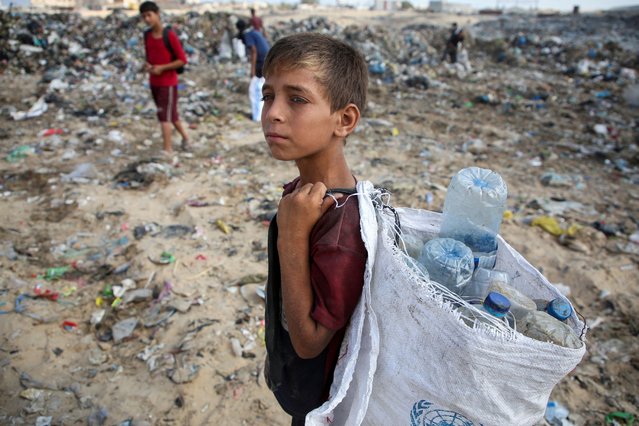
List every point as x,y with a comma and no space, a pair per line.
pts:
266,97
298,100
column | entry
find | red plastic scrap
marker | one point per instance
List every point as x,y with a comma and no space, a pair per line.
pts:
51,132
46,294
69,325
200,257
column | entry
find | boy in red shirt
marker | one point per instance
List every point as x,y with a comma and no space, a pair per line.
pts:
256,23
162,65
314,91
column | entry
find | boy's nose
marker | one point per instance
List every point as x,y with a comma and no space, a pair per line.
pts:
272,111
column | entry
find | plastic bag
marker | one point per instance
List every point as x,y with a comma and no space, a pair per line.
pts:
255,95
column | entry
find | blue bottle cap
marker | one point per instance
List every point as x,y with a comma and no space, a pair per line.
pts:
496,304
559,308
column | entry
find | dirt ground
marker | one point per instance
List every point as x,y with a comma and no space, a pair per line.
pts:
196,354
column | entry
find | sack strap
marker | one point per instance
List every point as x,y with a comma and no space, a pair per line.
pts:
381,200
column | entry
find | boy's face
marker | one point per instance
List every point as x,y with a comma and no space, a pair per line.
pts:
296,116
151,18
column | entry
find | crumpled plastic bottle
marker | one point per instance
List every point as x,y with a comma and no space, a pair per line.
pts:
557,414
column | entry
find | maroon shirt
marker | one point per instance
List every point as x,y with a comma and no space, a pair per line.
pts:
256,23
337,260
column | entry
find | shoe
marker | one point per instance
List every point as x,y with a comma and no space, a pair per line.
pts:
186,145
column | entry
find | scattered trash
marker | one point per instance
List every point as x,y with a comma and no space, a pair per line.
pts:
38,108
627,418
19,153
76,147
557,414
222,226
166,258
123,329
550,224
69,325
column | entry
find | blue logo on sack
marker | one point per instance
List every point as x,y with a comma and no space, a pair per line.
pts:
424,414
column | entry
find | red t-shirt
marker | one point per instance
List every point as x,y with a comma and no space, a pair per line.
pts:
158,54
338,259
256,23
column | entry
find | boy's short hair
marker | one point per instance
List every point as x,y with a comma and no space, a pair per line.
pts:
341,69
149,6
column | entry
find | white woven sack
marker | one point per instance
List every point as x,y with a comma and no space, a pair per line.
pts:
353,377
409,359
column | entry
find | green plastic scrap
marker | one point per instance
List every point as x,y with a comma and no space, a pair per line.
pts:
19,153
628,418
56,273
107,291
167,257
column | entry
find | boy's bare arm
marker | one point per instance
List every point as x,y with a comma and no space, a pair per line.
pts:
253,61
296,215
159,69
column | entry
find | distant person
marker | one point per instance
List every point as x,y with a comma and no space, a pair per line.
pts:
164,56
256,23
256,49
315,89
454,42
34,35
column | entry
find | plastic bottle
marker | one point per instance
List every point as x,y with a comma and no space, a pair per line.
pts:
473,211
495,304
559,308
448,262
540,326
556,414
520,304
477,289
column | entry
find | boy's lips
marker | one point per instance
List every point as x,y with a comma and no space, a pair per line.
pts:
274,136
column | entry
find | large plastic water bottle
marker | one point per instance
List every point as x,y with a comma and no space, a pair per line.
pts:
473,211
449,262
520,304
541,326
477,289
559,308
495,304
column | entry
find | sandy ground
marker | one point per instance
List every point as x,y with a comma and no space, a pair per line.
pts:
182,369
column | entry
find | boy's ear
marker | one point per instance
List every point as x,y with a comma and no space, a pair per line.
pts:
348,119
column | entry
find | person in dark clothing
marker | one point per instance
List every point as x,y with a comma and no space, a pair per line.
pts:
454,42
256,45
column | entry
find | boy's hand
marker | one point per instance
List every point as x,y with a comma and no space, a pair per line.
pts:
156,69
300,210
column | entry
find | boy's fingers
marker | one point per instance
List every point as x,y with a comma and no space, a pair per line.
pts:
327,203
319,189
305,189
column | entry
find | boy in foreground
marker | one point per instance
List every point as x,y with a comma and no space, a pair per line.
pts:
314,92
163,79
